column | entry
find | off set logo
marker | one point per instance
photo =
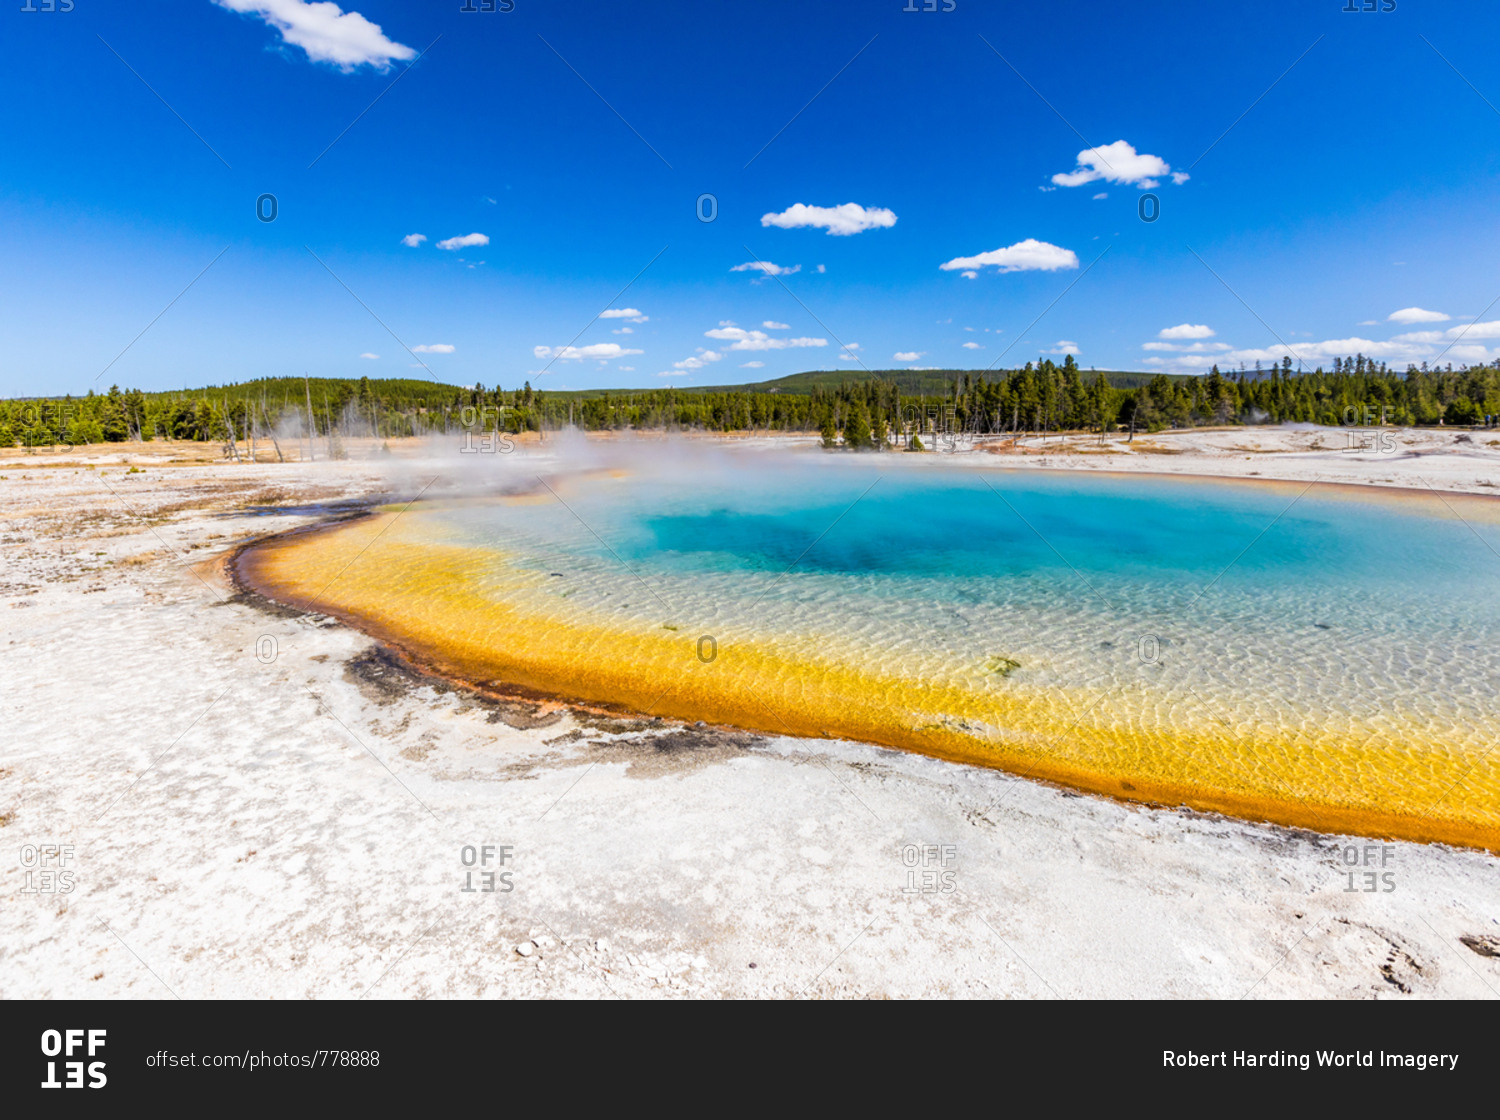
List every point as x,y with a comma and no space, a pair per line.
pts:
73,1046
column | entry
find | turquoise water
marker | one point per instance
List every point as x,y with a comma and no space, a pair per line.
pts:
1163,531
1325,656
1269,604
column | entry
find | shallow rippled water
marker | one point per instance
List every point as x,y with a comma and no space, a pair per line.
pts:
1324,656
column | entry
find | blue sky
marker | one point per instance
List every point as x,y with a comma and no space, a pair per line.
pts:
1361,186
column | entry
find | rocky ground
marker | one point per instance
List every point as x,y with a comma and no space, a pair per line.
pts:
203,795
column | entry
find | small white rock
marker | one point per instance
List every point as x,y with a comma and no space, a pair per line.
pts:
601,945
525,948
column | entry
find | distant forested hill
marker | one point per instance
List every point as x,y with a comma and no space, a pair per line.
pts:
860,407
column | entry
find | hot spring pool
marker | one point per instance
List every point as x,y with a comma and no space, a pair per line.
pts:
1324,656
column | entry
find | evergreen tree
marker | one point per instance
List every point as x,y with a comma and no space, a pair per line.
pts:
829,432
857,428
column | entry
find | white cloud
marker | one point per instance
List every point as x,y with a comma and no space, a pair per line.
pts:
972,346
752,365
847,354
1063,346
767,267
1178,364
1023,256
822,269
1101,194
624,313
623,330
1471,332
1413,346
969,274
1394,350
625,369
1416,315
908,355
674,373
1188,348
840,221
1117,163
1477,330
699,360
742,339
1473,354
603,351
463,242
434,348
372,357
773,325
1186,330
412,240
325,32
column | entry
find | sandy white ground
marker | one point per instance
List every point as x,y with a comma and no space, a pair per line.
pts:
289,820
